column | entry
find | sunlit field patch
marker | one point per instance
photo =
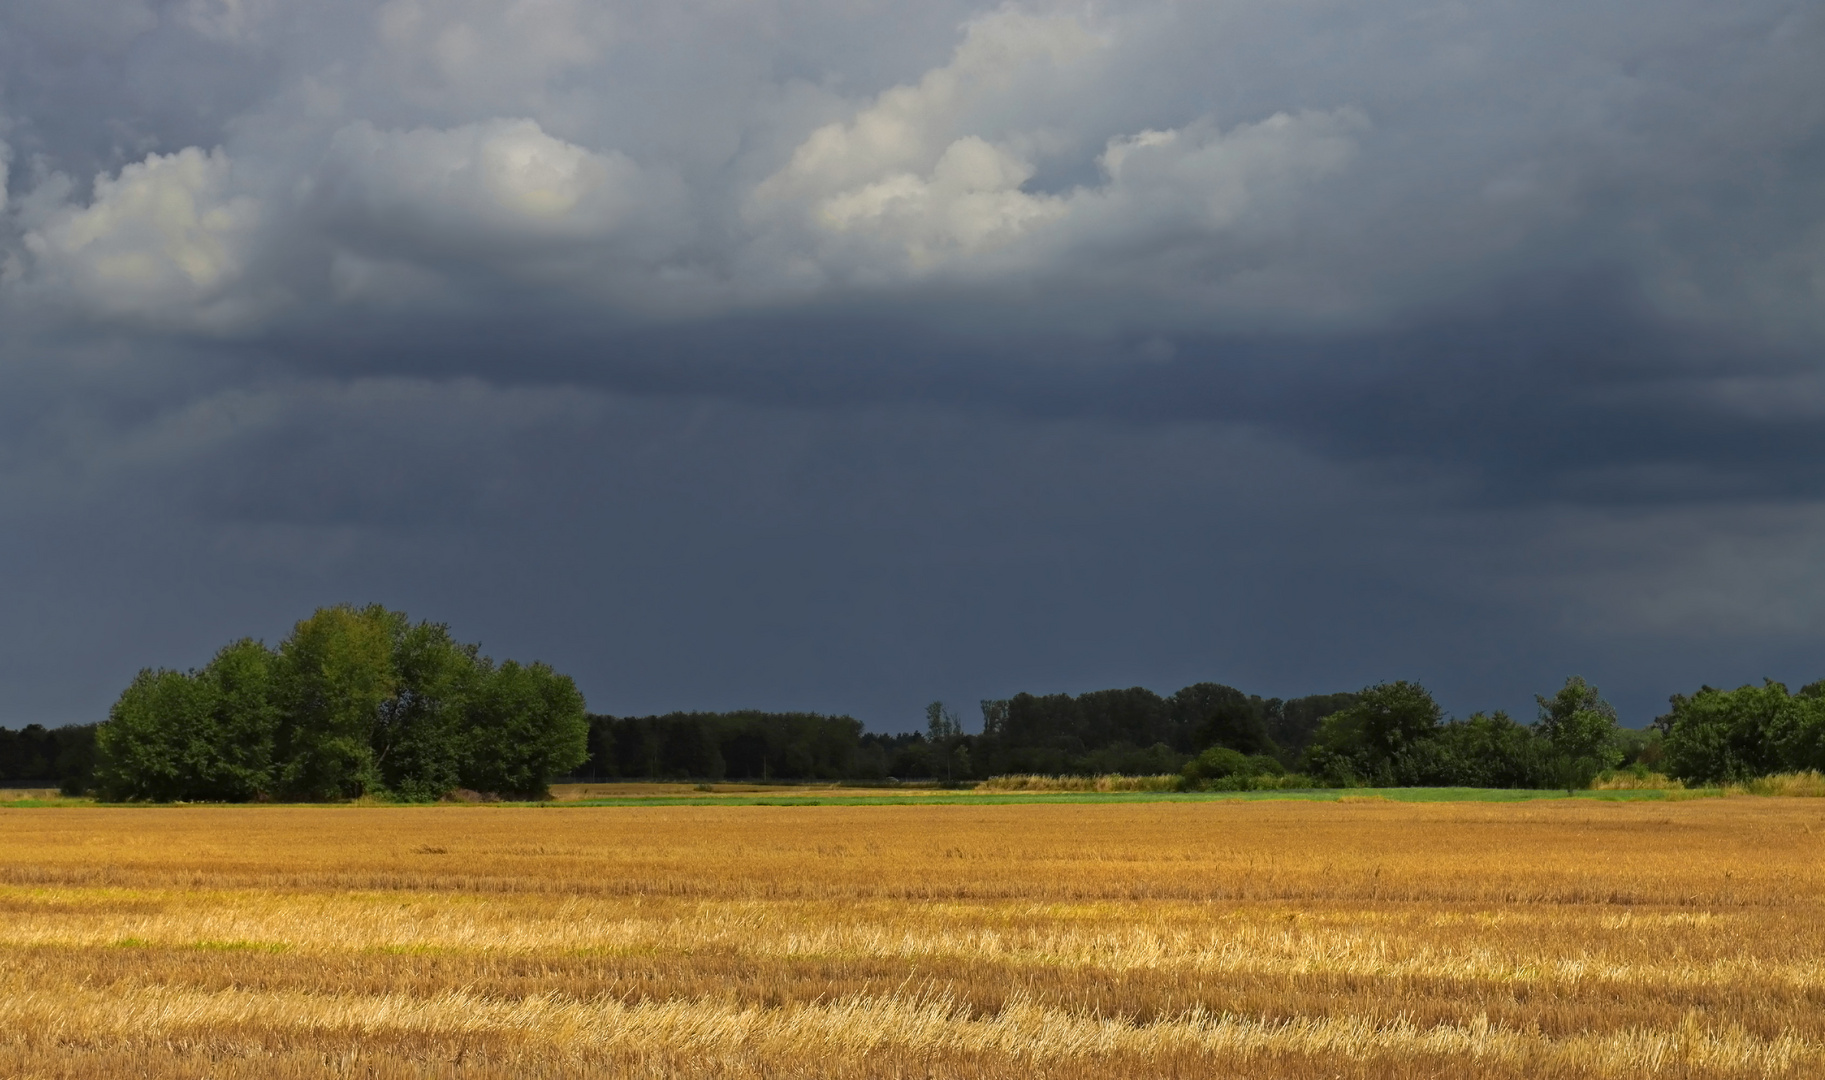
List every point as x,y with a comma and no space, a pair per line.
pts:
1565,938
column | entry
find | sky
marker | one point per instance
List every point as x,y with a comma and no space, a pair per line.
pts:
843,355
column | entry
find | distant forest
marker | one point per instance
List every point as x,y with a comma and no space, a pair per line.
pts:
1219,738
54,757
1214,736
1104,731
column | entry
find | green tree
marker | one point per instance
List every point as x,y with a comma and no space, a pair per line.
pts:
354,700
335,671
206,735
525,725
945,731
994,716
1798,733
1722,736
1210,714
1577,723
1292,724
241,689
687,747
148,747
940,723
419,732
1490,750
1364,742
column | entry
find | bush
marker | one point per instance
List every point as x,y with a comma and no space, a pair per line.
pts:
1261,782
1223,769
1221,762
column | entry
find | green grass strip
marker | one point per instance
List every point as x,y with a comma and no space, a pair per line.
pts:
1489,795
996,798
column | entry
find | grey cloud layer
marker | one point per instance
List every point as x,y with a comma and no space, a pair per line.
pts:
1236,166
836,354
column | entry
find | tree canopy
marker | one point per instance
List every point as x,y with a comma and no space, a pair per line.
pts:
354,701
1722,736
363,701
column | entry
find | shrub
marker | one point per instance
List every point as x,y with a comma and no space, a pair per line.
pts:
1221,762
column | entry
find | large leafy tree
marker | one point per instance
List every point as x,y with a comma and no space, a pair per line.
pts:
1577,723
1388,724
1579,729
419,730
151,741
525,725
1799,733
336,669
241,685
1210,714
1719,736
354,701
1491,750
200,735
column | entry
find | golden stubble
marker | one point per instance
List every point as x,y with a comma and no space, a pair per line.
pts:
1296,939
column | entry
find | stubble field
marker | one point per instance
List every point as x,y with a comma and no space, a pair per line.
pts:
1261,939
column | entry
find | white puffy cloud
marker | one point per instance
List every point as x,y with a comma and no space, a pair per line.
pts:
478,184
935,175
1197,178
908,129
971,202
904,179
166,240
1201,164
196,239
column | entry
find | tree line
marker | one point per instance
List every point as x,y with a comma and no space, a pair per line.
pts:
1395,735
353,702
1725,736
1106,731
61,757
712,746
1217,737
362,701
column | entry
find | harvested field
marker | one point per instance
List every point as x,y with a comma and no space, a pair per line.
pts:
1259,939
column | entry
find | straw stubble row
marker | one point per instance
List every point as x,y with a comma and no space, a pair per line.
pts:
1286,939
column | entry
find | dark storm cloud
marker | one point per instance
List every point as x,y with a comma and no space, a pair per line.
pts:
845,355
1573,391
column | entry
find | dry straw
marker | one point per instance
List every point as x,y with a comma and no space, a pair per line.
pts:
1566,938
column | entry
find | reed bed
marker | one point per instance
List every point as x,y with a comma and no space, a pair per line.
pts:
1106,782
1805,785
1631,781
1264,939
